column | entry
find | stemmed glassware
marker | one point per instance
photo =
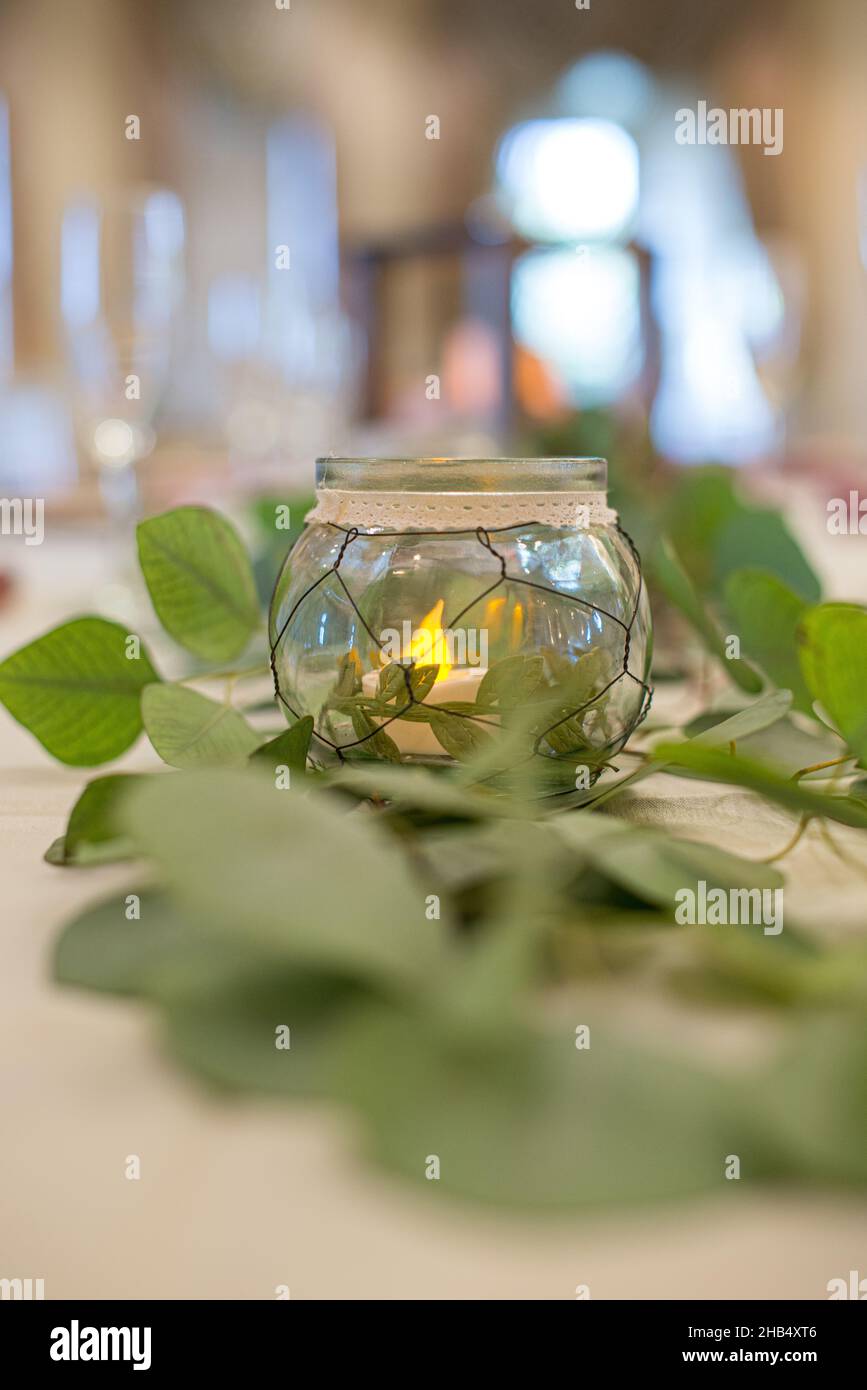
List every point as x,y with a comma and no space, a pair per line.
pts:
122,283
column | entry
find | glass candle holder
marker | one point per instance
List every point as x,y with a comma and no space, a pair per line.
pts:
441,610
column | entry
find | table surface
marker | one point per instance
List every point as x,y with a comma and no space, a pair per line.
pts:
237,1198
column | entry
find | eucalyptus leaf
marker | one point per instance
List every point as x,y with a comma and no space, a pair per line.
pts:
376,742
348,681
421,789
786,743
200,581
163,954
289,748
511,681
766,613
530,1121
703,500
396,680
679,590
102,949
190,731
728,729
736,771
653,865
94,834
392,684
423,680
462,738
264,1034
77,689
752,719
815,1100
753,532
288,873
833,650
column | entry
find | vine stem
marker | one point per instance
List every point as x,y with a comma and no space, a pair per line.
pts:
818,767
787,848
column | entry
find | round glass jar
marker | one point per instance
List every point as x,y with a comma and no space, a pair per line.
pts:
436,610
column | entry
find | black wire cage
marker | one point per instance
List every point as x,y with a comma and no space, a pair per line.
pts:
507,645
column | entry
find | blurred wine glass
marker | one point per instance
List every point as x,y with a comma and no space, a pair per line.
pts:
122,282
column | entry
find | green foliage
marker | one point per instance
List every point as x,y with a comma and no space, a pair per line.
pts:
289,748
77,690
300,891
716,533
679,590
200,581
766,613
833,641
717,766
432,939
189,730
752,532
94,833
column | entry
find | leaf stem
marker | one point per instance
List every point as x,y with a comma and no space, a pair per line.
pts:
787,848
818,767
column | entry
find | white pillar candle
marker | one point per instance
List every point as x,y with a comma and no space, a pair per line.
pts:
415,738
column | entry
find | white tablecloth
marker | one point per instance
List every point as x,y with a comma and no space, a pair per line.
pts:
235,1199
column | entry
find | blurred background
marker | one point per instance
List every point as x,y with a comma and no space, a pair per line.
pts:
233,237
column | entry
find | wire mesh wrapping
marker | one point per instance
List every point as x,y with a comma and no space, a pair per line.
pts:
488,539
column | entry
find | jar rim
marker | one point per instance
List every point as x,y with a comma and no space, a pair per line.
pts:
455,474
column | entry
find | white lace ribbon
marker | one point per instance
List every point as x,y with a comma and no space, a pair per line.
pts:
460,511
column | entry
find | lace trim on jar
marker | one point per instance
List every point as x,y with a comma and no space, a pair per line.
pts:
460,511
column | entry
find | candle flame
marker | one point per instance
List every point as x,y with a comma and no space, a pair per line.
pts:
517,626
428,646
494,617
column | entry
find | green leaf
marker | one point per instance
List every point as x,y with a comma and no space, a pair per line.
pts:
766,613
376,744
718,766
348,675
679,590
531,1121
783,744
462,738
94,834
655,866
761,714
200,581
164,954
188,730
229,1034
858,790
815,1101
511,681
417,788
76,690
423,679
833,640
102,949
286,873
392,683
289,748
703,501
753,533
